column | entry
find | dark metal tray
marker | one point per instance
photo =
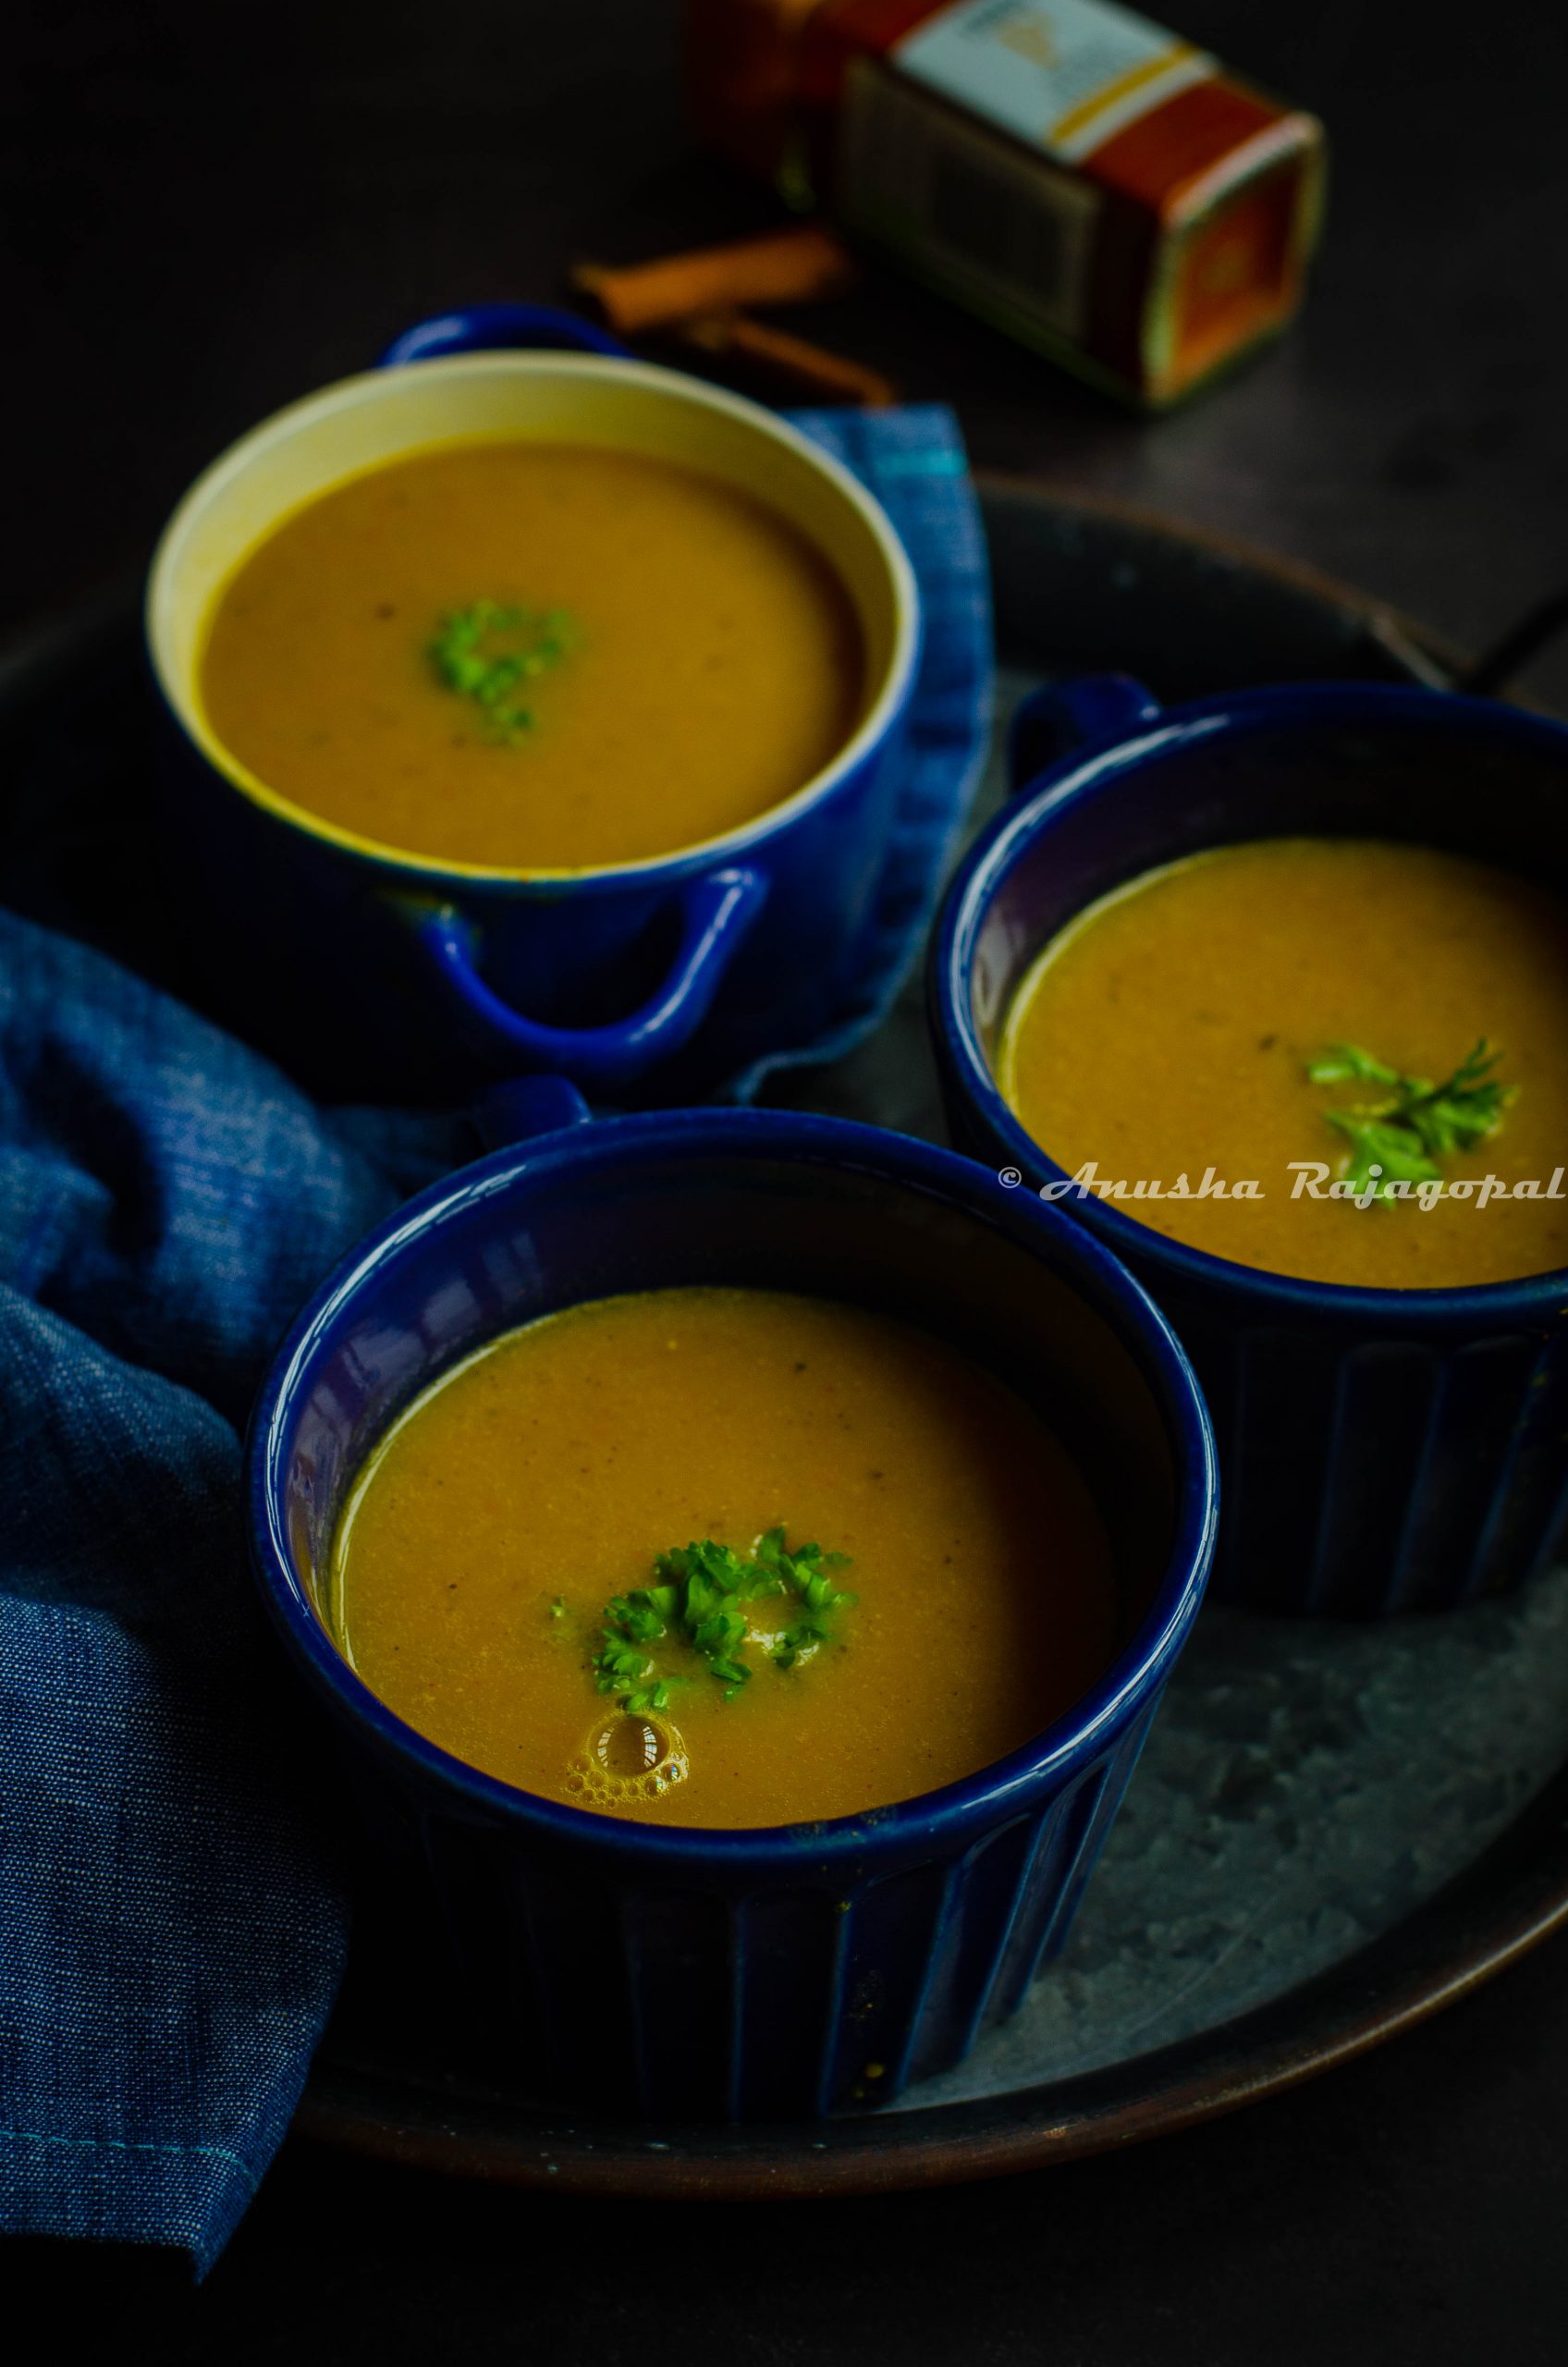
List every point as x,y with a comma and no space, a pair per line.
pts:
1334,1830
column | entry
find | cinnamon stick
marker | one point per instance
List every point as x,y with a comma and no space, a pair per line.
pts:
798,266
810,370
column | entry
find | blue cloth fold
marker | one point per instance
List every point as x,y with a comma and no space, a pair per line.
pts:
172,1917
173,1914
915,462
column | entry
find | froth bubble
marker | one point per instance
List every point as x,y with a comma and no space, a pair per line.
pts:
627,1757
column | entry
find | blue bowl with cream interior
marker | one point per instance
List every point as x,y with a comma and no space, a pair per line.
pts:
391,973
742,1974
1381,1450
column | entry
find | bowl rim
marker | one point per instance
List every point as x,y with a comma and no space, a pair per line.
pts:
385,383
957,1812
1098,773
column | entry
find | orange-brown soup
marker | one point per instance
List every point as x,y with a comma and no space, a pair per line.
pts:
1168,1031
698,659
540,1479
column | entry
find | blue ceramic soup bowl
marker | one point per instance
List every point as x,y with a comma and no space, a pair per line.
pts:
1381,1449
764,1972
383,972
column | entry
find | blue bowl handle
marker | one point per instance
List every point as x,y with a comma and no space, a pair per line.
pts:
521,1107
1075,717
488,328
716,912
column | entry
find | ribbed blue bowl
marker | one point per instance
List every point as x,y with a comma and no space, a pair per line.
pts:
762,1973
1379,1450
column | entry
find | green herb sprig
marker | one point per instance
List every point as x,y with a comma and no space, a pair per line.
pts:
699,1603
465,657
1414,1124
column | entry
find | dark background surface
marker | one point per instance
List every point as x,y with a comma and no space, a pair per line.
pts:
210,210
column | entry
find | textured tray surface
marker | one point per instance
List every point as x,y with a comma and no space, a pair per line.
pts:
1333,1830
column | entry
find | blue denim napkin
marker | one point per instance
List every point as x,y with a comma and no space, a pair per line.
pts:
913,460
172,1914
172,1922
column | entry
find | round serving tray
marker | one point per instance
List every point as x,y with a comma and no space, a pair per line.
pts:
1334,1832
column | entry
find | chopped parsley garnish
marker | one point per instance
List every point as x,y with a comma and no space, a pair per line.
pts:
698,1605
488,651
1401,1136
